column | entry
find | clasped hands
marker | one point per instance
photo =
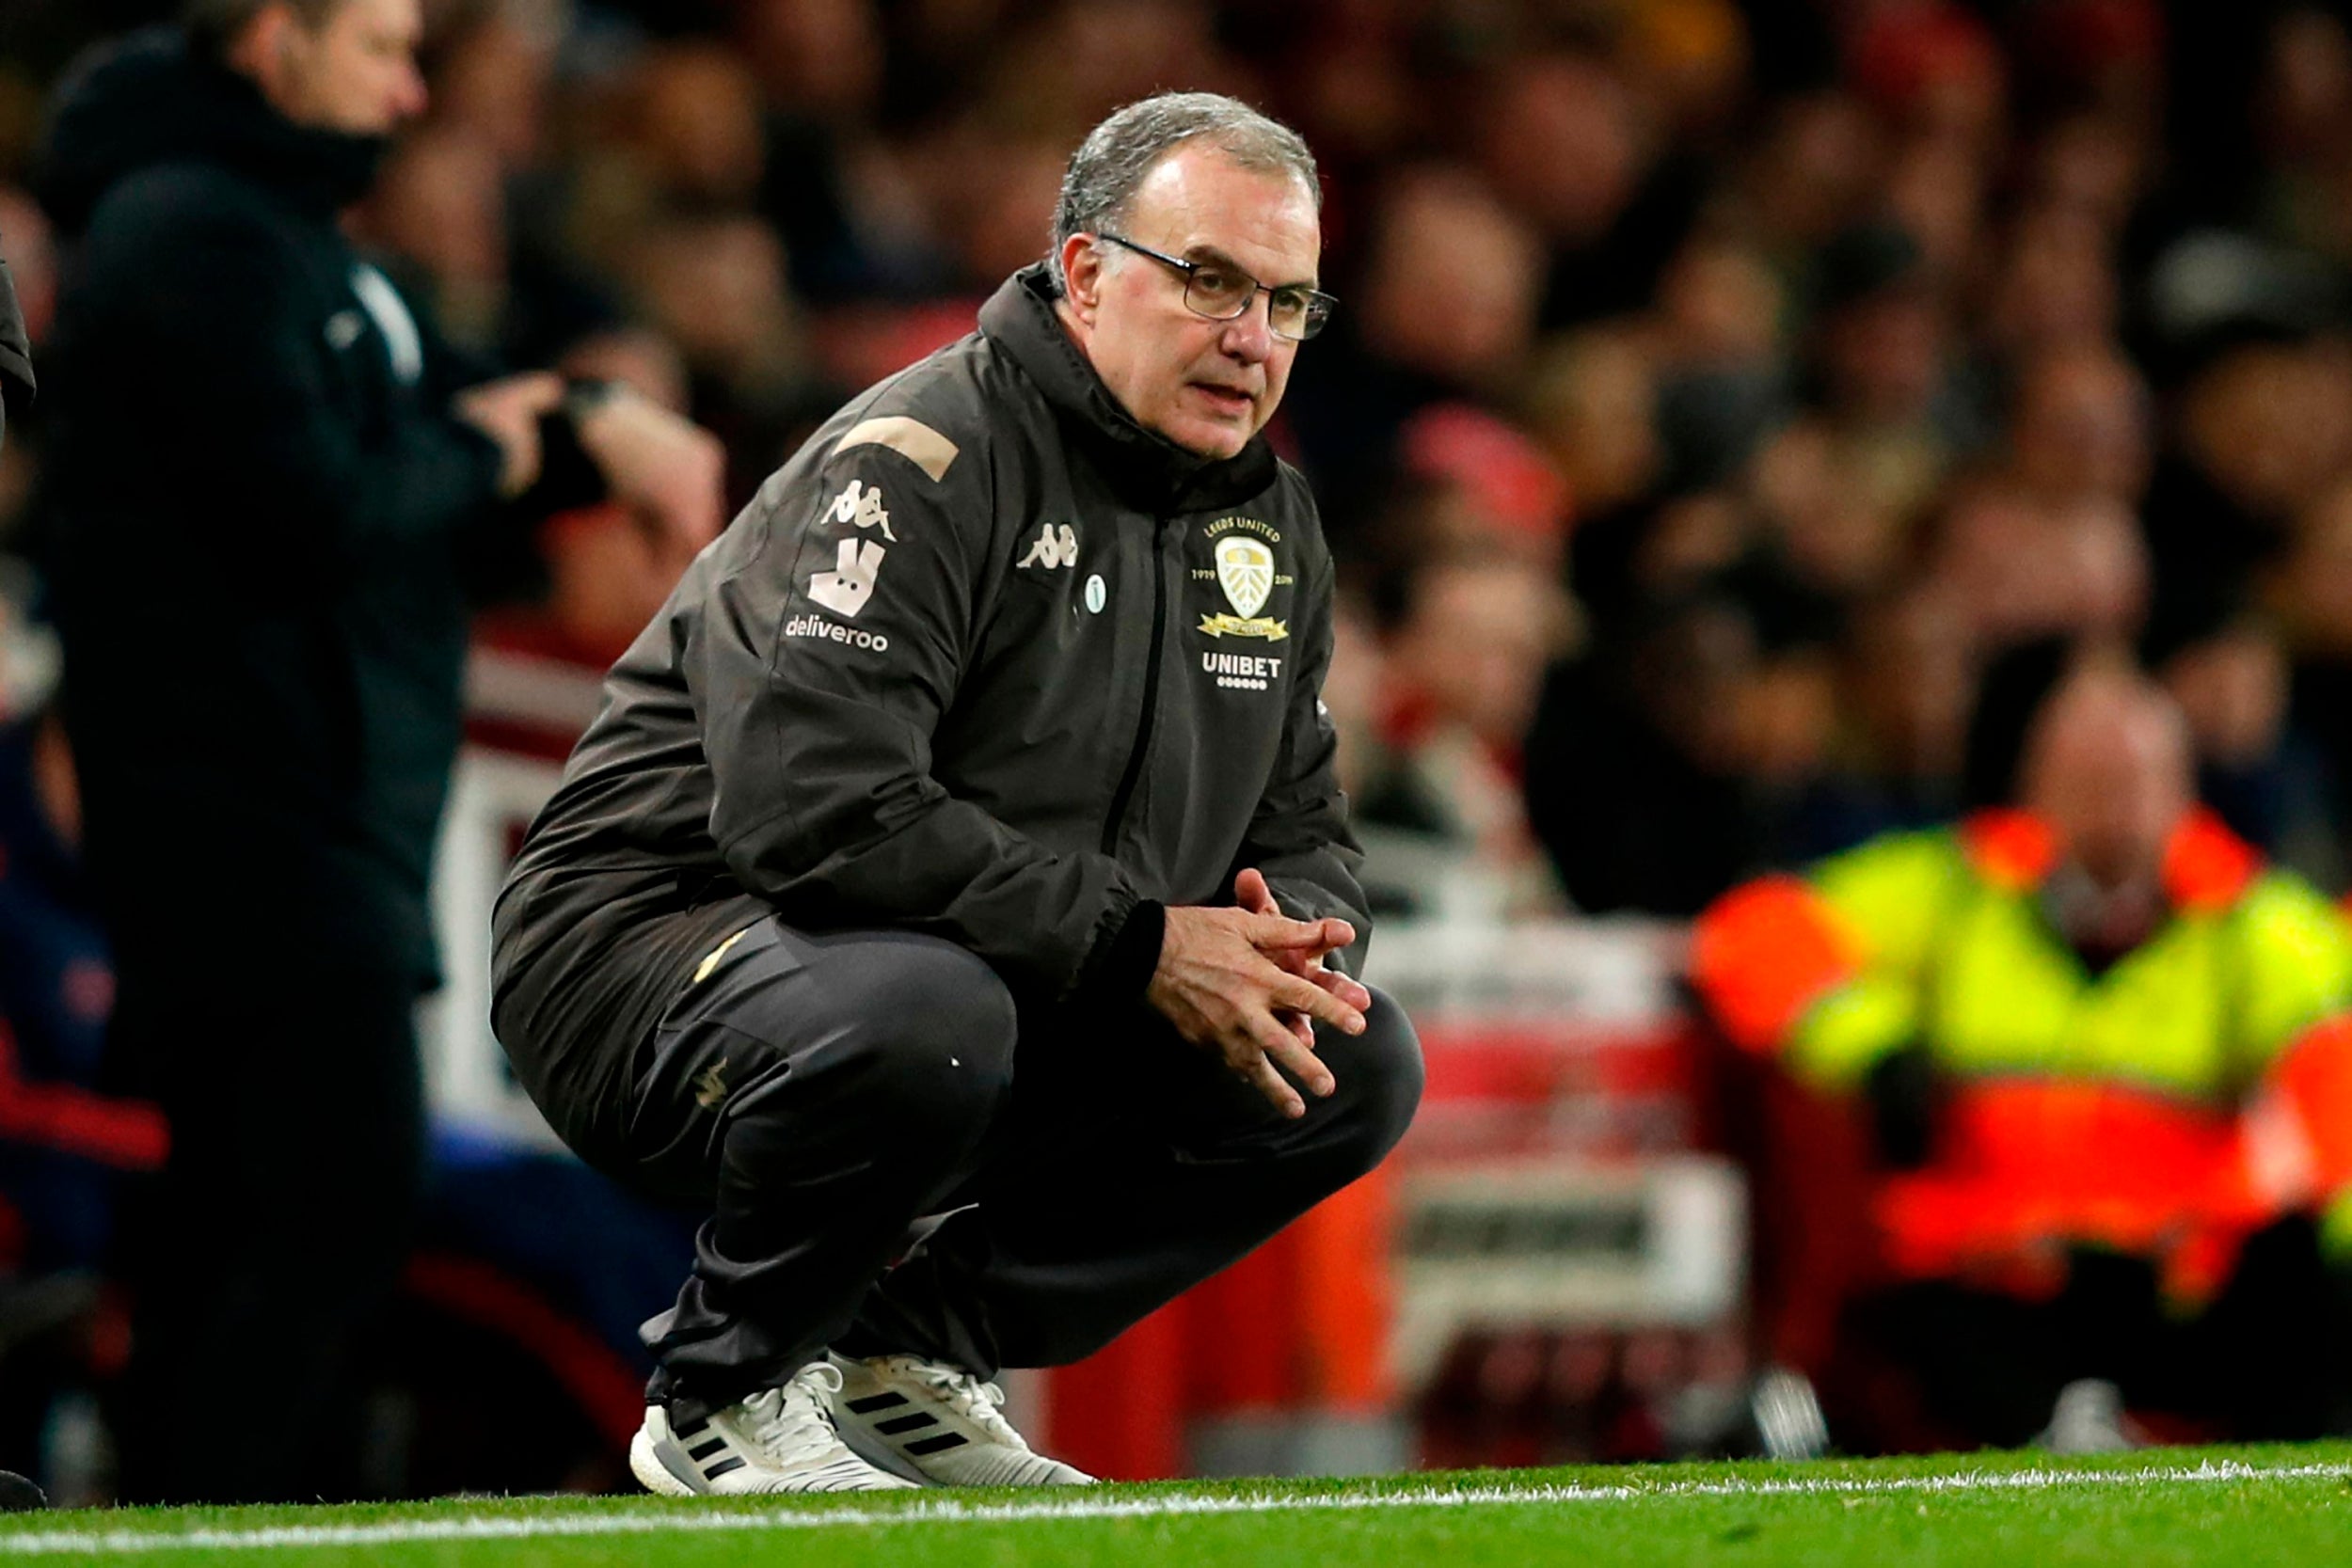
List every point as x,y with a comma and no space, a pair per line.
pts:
1248,985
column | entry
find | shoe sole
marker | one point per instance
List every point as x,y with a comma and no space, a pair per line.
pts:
651,1473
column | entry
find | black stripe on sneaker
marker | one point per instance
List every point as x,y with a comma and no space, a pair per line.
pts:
704,1451
691,1428
933,1444
897,1424
723,1467
872,1402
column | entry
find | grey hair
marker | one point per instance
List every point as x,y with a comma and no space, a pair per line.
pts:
213,26
1116,156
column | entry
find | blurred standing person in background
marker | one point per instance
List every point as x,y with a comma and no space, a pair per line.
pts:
270,490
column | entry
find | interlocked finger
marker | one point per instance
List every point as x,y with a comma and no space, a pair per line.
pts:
1296,993
1352,991
1286,1050
1260,1074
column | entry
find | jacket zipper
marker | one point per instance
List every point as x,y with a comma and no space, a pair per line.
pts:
1151,693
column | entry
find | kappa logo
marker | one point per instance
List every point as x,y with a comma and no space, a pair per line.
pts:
1053,547
710,1085
861,504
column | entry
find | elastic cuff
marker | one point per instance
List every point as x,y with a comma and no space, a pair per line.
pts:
1126,965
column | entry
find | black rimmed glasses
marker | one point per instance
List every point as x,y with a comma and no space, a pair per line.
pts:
1222,291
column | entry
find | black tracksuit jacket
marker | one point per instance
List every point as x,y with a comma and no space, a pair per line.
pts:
986,659
262,522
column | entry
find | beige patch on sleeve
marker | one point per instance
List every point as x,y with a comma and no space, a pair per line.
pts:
925,448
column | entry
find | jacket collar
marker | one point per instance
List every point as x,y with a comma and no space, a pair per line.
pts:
1146,466
2206,867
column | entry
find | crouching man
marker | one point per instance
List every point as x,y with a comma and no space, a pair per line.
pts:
955,892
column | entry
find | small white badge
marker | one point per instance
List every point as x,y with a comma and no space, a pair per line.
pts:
1096,594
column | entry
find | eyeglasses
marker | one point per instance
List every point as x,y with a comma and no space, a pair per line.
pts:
1222,291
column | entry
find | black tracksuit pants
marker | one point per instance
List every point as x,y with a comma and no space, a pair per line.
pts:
834,1096
265,1259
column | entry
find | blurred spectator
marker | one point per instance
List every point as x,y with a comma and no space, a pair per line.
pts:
2260,429
1508,494
1906,682
56,993
2022,571
2054,286
715,286
2302,115
1723,384
1879,367
1592,402
2045,542
1581,160
1813,172
1669,822
1444,308
440,204
1461,664
693,120
2081,1029
492,78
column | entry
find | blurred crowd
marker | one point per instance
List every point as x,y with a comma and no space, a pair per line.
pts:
1737,411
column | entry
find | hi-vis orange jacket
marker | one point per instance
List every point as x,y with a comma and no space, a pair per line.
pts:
2196,1090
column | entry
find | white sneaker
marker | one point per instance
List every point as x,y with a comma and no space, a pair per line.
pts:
2089,1419
779,1440
938,1424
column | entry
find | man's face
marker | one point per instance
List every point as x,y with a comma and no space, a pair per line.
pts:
2113,779
355,71
1208,385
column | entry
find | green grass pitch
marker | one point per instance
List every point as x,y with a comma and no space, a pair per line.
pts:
2238,1507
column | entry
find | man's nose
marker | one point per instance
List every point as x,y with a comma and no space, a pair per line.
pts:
410,96
1249,337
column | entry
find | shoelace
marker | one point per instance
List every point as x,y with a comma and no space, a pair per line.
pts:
981,1403
794,1423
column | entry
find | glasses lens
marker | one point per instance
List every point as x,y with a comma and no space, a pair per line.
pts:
1291,312
1298,313
1218,291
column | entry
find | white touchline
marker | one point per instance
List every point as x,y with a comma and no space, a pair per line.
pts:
668,1518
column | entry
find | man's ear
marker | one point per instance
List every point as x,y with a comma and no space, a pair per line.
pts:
258,52
1081,269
